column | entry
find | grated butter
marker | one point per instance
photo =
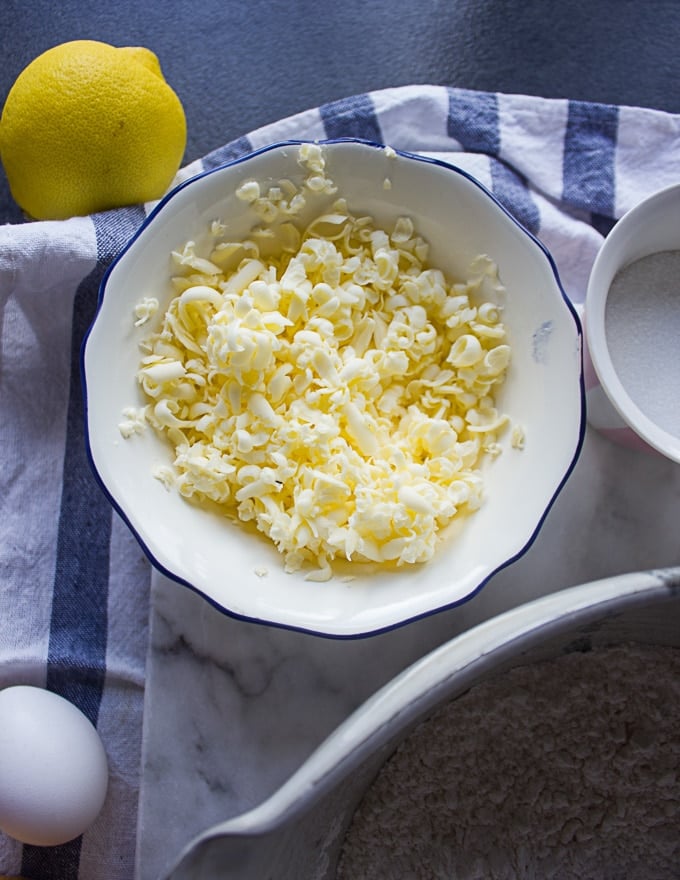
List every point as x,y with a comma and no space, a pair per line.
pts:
339,394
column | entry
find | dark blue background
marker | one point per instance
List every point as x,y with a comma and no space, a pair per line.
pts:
239,64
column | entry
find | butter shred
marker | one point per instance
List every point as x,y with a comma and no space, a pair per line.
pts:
338,393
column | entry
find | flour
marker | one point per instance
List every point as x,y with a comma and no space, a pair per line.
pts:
642,325
564,769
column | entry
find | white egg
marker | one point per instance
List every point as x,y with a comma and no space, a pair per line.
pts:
53,767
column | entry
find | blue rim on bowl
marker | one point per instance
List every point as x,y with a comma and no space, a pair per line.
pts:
548,349
299,829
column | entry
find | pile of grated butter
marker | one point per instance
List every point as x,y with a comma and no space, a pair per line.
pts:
338,393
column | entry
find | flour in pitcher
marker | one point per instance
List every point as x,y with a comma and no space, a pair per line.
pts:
642,325
566,768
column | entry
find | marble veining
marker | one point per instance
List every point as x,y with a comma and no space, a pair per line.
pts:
233,709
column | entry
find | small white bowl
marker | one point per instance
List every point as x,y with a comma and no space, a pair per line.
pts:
299,830
636,370
543,393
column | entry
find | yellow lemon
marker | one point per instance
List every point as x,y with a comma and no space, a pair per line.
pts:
87,127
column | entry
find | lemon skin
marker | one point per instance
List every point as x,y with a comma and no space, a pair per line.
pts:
88,127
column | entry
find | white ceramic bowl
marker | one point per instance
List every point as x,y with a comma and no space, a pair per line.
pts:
543,393
297,834
649,228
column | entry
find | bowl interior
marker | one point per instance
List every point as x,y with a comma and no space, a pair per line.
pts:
651,227
542,394
299,830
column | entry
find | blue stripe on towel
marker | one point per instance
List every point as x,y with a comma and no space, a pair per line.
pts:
233,150
76,661
602,223
588,175
511,190
473,121
351,117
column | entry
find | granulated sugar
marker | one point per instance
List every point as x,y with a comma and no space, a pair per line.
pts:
563,769
642,325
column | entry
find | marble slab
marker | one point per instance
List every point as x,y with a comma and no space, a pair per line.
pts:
233,709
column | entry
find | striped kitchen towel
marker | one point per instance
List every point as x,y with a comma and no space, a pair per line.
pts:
75,586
